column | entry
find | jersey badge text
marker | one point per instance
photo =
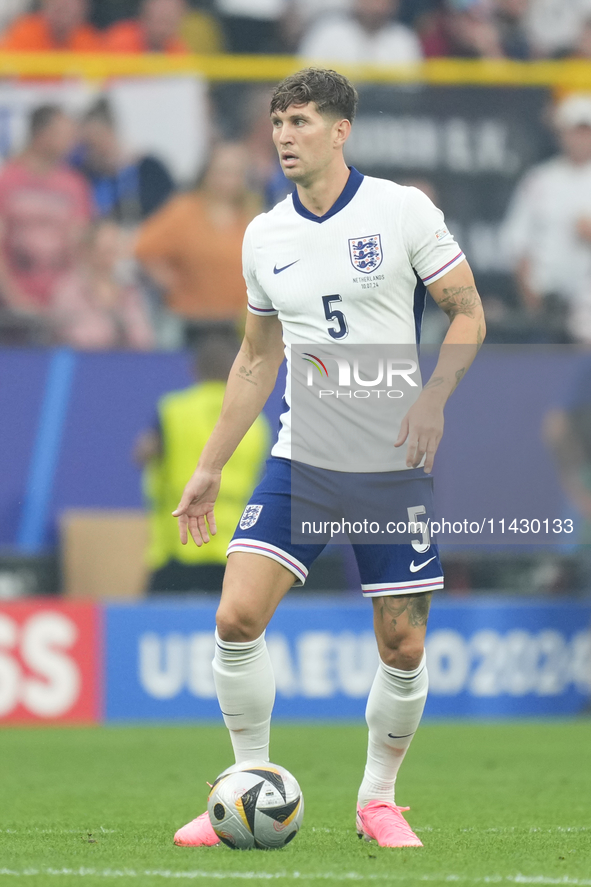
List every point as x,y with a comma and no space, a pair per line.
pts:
250,516
366,253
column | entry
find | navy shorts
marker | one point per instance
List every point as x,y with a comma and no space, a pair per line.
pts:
399,564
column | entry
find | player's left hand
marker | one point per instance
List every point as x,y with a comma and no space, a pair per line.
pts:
422,427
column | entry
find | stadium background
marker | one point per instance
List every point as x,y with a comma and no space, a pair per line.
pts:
509,637
118,684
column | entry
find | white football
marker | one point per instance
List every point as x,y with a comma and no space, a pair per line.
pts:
255,805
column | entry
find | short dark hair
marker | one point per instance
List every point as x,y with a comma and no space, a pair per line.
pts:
42,117
333,94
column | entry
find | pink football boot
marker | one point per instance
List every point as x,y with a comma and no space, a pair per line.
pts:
197,833
383,822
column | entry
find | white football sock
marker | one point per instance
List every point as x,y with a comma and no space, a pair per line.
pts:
245,686
394,708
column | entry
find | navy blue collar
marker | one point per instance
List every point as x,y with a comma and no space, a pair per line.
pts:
345,197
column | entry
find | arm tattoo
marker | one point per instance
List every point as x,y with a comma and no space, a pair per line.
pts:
244,374
459,300
436,381
416,606
460,375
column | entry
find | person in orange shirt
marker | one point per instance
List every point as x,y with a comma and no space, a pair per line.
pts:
155,30
60,24
192,246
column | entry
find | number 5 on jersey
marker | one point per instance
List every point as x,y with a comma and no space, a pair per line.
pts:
335,315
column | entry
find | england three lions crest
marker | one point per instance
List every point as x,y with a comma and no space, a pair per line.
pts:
250,516
366,253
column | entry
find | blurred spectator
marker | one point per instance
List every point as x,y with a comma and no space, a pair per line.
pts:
510,19
500,28
157,29
251,26
300,15
474,30
567,431
11,9
192,247
547,231
59,24
310,10
103,13
410,10
125,188
170,452
554,26
44,208
368,34
201,31
463,29
94,307
582,47
432,26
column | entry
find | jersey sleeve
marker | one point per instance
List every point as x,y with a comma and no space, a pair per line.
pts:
431,248
258,301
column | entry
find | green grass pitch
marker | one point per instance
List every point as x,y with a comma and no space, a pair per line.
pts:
493,803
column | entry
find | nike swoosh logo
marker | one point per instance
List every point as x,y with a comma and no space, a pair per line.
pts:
277,270
415,568
406,735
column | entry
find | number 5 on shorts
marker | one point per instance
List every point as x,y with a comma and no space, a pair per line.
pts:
423,544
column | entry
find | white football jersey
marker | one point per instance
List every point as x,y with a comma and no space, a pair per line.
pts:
356,275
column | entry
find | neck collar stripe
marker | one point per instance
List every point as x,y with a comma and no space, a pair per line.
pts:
345,197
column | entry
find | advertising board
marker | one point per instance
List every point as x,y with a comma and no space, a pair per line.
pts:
50,656
495,658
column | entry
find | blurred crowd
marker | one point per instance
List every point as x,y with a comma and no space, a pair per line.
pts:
101,248
379,31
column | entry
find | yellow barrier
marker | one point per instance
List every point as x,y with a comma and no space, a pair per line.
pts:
575,74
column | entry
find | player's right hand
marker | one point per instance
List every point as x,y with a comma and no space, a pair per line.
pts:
195,510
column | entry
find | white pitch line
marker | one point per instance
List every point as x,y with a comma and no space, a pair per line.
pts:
501,830
558,829
59,831
407,877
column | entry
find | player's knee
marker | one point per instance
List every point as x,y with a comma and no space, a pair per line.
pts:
403,652
236,626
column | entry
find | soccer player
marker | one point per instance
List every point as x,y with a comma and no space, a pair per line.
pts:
310,246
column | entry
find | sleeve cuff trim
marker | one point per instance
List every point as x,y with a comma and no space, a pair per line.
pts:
435,274
256,310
